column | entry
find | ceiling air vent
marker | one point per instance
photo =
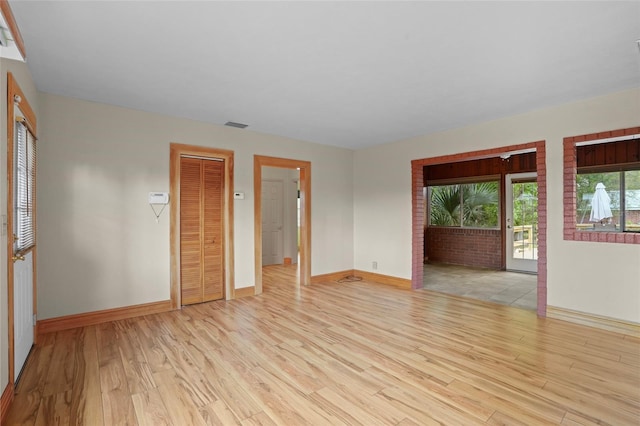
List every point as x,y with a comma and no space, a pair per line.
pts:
234,124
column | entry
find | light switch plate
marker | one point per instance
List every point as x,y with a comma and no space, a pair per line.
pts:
238,195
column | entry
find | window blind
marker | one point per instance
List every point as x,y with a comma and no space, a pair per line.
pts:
24,188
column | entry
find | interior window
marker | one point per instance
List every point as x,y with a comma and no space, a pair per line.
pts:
24,181
469,205
618,211
602,186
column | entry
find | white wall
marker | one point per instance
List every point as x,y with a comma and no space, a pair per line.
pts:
99,244
597,278
289,179
23,77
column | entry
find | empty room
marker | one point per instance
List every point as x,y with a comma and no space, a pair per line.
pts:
323,213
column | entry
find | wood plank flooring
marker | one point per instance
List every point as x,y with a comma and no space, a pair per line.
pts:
332,354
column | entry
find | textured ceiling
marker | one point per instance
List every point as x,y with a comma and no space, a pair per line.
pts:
351,74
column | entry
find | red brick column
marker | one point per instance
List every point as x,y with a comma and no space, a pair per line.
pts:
541,168
417,213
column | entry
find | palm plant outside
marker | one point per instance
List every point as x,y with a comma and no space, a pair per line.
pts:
472,205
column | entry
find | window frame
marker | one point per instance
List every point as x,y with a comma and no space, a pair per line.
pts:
464,181
570,144
621,171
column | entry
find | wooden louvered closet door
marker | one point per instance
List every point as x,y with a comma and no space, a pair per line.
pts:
201,225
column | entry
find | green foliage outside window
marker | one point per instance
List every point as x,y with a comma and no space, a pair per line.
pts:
613,182
525,204
473,205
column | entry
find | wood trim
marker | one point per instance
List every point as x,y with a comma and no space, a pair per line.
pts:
13,27
305,214
332,276
384,279
11,92
5,401
305,223
52,325
229,226
175,151
606,323
366,276
174,228
257,224
34,249
14,89
244,292
27,124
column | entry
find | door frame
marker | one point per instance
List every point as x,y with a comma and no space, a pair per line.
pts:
15,95
177,150
508,247
305,214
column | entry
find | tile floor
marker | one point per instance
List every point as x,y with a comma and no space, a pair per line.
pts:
503,287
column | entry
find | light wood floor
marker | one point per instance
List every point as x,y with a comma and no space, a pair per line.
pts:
331,354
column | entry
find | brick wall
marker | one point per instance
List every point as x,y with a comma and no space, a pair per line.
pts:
469,247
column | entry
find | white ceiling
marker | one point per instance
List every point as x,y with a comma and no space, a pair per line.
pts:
351,74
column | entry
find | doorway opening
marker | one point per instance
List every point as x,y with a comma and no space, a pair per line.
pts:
507,160
266,192
280,216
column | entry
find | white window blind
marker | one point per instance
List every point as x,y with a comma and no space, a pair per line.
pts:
24,188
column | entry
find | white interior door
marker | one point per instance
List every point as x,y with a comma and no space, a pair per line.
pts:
22,218
272,222
22,311
21,215
522,222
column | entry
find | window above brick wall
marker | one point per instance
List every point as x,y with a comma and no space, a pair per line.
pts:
610,161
